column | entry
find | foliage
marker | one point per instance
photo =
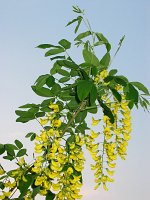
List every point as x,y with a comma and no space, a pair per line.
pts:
72,92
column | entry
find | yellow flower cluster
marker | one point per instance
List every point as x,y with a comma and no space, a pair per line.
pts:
58,169
115,137
71,177
101,76
16,175
8,185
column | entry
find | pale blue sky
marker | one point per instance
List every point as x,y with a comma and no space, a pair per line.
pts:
26,24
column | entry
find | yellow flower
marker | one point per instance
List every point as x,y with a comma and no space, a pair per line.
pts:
2,171
111,173
21,161
54,107
103,74
50,132
38,148
47,184
70,170
105,187
105,119
6,194
53,174
76,196
79,168
95,188
43,192
44,136
43,121
54,148
95,121
36,169
94,135
111,165
97,79
56,123
56,186
39,180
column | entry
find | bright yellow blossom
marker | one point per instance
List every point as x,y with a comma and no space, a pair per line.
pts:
95,121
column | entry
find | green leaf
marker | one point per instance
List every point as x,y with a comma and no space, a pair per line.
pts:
89,57
55,68
28,105
68,64
81,128
79,22
56,89
35,191
141,87
73,104
74,73
2,186
23,186
71,22
44,92
63,72
24,114
50,81
41,80
83,89
92,109
50,196
113,72
2,149
76,9
107,111
121,80
44,46
24,119
32,137
116,94
81,116
82,35
66,95
64,79
83,74
93,94
146,101
65,43
131,93
57,57
40,114
47,102
21,152
18,144
71,139
94,71
99,43
105,61
102,39
54,51
29,134
8,157
10,148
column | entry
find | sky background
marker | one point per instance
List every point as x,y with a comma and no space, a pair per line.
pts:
26,24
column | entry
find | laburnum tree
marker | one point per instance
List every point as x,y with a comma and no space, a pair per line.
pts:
72,92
